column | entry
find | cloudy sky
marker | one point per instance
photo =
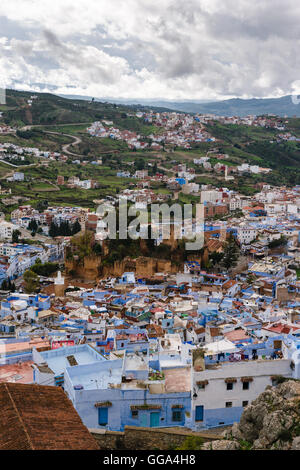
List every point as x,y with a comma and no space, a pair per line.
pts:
155,49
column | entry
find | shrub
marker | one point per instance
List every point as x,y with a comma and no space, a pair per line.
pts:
191,443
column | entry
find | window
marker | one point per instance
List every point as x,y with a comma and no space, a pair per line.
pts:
230,386
177,415
134,413
245,385
228,404
102,416
245,403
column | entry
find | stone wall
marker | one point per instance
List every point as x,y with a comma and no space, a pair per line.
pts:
87,270
91,267
108,440
137,438
141,266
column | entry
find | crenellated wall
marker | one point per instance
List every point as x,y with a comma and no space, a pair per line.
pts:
88,269
91,268
142,266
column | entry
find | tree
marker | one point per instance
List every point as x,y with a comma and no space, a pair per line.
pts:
32,226
282,241
215,257
139,164
31,281
64,229
8,286
231,253
76,227
42,205
11,286
53,230
82,245
45,269
15,236
97,249
24,134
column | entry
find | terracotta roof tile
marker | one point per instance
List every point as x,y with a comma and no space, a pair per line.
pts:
35,417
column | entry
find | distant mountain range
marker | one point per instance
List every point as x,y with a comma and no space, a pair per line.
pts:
283,106
62,104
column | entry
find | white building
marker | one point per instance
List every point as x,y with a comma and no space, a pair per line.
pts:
211,196
17,176
245,235
238,202
6,229
222,390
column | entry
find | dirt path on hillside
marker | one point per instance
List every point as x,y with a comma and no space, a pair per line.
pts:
10,173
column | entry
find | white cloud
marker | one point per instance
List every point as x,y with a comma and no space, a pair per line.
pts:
199,49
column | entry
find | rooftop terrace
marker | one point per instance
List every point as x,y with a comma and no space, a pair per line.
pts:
59,359
97,375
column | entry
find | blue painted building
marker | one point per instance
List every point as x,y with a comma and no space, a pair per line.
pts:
50,366
116,393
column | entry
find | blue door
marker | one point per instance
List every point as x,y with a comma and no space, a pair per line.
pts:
154,420
199,413
102,416
144,420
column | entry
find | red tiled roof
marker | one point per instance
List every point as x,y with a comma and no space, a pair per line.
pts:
214,332
229,284
199,330
35,417
214,245
281,328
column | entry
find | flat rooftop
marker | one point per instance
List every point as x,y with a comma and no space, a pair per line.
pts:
170,362
97,375
59,359
178,380
134,362
17,373
8,348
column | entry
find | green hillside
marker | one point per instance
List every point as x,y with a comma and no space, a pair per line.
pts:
260,146
242,143
50,109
